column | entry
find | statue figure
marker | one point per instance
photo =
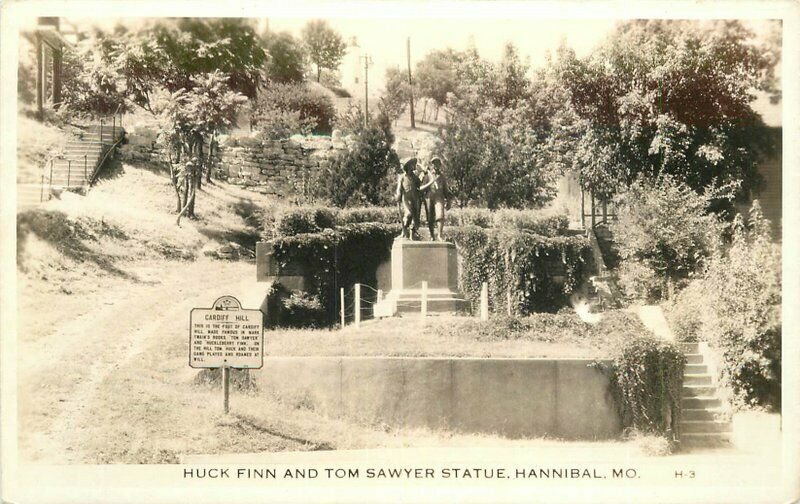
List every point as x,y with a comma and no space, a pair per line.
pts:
407,196
437,198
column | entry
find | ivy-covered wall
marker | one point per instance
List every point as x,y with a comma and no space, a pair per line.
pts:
535,273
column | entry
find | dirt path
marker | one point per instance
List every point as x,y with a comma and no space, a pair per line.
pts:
61,371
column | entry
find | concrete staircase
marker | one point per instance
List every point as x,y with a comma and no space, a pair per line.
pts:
76,168
701,423
81,155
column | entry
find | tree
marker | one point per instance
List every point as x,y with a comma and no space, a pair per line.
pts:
668,97
396,95
191,119
664,234
436,76
496,134
324,46
171,54
286,58
93,83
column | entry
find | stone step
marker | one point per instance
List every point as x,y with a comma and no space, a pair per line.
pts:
693,369
705,440
690,347
699,379
698,391
694,358
704,426
699,414
700,402
72,182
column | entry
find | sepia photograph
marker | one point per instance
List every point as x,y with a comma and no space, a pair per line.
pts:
399,252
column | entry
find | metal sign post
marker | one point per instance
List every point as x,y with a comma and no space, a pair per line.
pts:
226,336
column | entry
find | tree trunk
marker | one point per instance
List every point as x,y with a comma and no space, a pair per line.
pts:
186,209
319,72
424,110
209,162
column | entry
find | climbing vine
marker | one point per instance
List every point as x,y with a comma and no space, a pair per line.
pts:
646,378
525,272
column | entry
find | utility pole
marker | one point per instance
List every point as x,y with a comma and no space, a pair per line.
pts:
367,62
410,83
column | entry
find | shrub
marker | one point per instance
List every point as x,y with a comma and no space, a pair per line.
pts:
663,233
300,220
736,307
535,221
481,217
286,109
363,174
295,308
383,215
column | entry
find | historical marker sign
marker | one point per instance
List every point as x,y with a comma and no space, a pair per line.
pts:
226,335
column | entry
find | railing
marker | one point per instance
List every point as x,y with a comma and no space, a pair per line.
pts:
116,120
601,210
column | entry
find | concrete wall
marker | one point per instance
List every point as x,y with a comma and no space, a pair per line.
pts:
517,398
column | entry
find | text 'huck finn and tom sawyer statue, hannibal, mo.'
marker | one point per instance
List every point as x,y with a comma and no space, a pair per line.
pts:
428,190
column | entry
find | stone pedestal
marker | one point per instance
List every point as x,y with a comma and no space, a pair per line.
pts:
414,262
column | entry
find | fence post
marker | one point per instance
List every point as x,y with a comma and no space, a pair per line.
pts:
69,170
583,208
357,305
380,295
114,129
341,305
51,173
101,134
593,211
85,171
424,298
485,301
41,190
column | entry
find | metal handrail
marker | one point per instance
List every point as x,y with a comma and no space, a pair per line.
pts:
105,152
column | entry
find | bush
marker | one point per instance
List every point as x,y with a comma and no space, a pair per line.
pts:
364,174
536,273
282,110
736,307
383,215
663,234
296,309
300,220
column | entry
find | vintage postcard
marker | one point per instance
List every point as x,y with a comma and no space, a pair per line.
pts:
400,251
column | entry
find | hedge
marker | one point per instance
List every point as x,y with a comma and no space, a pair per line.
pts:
312,219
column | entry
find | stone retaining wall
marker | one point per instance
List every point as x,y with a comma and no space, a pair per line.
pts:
517,398
278,167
